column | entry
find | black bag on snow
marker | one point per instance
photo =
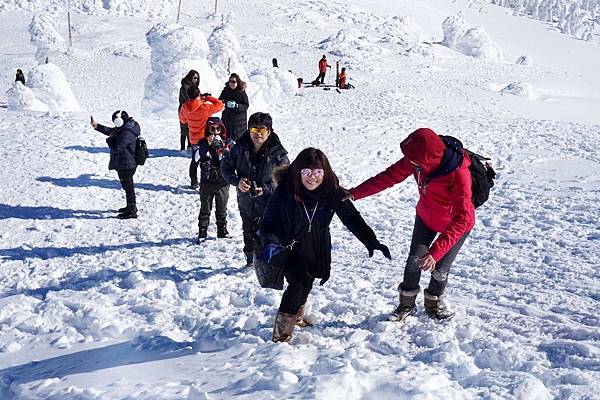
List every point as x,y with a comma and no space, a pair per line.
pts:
141,151
482,178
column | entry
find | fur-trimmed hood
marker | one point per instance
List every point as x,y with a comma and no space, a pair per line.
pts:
280,174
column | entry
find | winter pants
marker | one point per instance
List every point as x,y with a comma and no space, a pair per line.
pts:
249,227
220,194
422,235
194,169
126,179
185,135
321,77
299,286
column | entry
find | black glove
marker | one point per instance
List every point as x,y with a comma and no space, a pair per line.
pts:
375,245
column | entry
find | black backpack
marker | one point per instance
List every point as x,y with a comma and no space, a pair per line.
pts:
482,178
141,151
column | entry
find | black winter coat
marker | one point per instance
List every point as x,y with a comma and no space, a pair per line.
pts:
121,142
210,162
241,162
235,119
285,220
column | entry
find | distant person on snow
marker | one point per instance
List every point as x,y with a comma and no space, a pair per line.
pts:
249,167
121,141
301,209
322,69
236,104
445,207
275,65
211,150
195,113
342,82
191,79
20,77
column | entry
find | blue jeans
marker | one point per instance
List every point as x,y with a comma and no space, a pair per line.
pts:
422,238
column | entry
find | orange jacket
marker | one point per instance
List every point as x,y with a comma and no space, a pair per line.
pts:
323,65
342,80
195,112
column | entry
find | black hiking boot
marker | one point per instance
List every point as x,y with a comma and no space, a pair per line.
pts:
194,185
202,234
222,231
128,212
436,307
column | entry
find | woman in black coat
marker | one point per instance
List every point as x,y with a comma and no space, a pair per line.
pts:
236,105
301,210
191,79
121,141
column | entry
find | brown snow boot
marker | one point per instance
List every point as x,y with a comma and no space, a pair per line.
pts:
436,307
284,327
300,321
407,305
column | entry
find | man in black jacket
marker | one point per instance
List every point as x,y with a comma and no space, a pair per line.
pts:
121,141
249,166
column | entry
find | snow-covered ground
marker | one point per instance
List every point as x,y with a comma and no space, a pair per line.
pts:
92,307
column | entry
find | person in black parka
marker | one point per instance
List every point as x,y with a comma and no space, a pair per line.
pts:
20,76
236,105
248,166
191,79
121,141
301,210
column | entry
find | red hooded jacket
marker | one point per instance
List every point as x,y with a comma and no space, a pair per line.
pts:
195,112
445,204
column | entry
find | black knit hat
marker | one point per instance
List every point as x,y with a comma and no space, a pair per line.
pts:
261,119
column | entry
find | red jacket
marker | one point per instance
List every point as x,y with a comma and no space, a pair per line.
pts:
445,204
323,65
342,80
195,112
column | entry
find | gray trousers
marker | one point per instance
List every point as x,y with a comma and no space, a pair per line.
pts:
422,237
220,194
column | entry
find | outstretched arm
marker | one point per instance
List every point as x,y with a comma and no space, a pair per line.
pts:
355,223
394,174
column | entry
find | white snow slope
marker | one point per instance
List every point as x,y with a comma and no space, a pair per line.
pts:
92,307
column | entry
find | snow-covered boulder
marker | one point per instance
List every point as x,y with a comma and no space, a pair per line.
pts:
47,90
474,42
224,48
519,88
175,50
267,85
20,97
45,37
454,27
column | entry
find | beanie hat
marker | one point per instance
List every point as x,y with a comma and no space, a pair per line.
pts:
425,148
261,119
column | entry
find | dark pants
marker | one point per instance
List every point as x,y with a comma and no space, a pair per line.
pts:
321,77
126,179
185,135
249,227
299,286
220,194
423,236
194,170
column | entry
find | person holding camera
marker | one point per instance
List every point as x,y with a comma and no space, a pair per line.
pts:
211,150
236,104
248,167
121,141
195,113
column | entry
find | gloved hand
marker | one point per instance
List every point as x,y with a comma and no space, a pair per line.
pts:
231,104
375,245
269,251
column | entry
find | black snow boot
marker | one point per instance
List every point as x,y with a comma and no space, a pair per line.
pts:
407,305
202,234
436,307
194,185
222,231
128,213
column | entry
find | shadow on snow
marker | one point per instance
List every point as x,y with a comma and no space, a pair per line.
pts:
154,153
86,180
31,212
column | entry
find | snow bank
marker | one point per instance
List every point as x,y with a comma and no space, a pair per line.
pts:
147,8
224,48
268,85
520,89
174,51
45,37
346,43
47,90
473,42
